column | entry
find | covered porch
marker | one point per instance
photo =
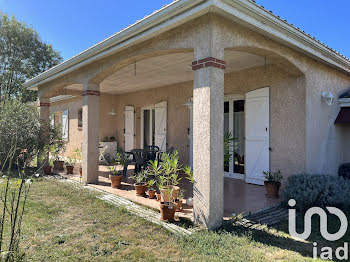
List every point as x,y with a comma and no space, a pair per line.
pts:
152,102
182,91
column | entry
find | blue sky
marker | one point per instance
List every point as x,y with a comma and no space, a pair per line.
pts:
71,26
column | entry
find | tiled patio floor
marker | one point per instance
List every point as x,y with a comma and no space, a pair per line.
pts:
127,191
239,197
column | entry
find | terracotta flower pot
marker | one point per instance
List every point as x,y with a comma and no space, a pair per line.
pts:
272,189
151,194
140,189
58,165
178,205
167,211
47,170
116,181
165,193
70,169
158,197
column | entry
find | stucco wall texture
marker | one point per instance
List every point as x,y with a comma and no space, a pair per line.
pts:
303,136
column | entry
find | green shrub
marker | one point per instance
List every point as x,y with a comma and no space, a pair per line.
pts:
317,190
19,129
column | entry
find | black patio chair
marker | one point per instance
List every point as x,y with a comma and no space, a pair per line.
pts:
151,153
129,162
139,159
154,148
169,152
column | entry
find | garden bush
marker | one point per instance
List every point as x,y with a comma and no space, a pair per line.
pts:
317,190
19,129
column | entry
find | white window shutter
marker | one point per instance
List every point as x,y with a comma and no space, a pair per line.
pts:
65,125
257,135
161,125
129,128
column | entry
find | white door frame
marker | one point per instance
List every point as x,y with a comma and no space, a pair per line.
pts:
151,107
231,98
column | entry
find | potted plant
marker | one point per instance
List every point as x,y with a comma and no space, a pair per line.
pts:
123,159
70,163
56,149
115,176
47,168
140,184
167,176
272,183
45,160
179,200
151,191
228,148
78,158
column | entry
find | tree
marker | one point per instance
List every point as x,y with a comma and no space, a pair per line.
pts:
23,55
20,129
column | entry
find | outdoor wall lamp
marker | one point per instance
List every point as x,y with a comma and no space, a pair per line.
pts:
189,103
113,113
327,97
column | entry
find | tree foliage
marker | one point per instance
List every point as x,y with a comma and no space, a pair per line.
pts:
23,55
20,129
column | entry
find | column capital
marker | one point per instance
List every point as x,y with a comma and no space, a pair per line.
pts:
209,62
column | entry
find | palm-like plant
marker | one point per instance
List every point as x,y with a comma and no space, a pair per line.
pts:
228,148
140,177
166,174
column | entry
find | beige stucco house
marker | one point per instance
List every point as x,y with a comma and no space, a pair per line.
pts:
193,70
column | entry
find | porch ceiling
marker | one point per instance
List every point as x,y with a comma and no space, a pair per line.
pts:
166,70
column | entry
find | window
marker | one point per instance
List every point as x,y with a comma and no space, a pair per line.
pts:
65,127
235,124
80,118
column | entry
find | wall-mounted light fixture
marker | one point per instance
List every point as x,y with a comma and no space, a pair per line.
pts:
112,113
189,102
328,97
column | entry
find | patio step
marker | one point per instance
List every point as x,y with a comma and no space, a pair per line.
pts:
270,216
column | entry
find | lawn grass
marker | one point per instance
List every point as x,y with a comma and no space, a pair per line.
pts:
64,223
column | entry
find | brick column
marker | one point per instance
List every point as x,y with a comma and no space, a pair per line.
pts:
90,150
208,125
